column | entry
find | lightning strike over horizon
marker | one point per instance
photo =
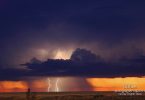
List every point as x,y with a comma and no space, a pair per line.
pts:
57,86
53,86
49,85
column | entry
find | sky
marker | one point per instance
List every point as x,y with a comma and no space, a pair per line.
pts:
93,38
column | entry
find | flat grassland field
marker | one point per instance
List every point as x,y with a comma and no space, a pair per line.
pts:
69,96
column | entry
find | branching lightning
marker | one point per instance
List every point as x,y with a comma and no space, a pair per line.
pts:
49,85
57,86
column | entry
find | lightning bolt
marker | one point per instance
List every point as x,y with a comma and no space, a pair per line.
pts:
57,86
49,85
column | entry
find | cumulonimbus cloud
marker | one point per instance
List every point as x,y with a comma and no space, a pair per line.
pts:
83,63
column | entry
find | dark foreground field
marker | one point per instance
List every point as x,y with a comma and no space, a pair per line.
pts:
69,96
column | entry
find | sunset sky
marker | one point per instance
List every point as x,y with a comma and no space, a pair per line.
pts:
76,45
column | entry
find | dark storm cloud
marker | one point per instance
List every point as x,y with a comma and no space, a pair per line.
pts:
80,65
12,74
84,56
112,29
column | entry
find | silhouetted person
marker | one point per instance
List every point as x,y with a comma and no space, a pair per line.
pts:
28,94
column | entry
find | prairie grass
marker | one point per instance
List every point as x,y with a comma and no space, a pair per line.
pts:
67,96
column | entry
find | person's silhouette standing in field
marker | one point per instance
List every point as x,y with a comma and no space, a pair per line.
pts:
28,94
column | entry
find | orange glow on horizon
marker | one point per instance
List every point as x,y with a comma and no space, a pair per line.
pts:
39,85
96,84
13,86
112,84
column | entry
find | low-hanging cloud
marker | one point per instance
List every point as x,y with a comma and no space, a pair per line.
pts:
83,63
87,64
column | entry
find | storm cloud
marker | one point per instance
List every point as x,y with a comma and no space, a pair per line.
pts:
112,30
108,28
81,65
